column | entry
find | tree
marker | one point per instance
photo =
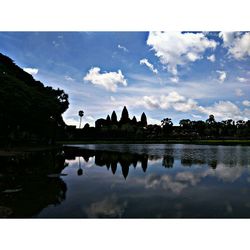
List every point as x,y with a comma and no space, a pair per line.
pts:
166,123
38,109
185,123
199,126
211,120
240,123
80,113
143,120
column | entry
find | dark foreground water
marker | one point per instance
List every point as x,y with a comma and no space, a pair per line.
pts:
127,181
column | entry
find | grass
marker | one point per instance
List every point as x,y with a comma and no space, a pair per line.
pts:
17,150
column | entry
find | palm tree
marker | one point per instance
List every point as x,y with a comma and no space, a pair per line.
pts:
166,123
80,113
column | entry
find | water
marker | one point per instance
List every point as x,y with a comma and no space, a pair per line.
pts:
128,181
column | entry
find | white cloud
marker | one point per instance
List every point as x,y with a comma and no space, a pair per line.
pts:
174,79
112,98
74,120
223,110
122,48
222,76
153,121
227,37
196,116
89,118
32,71
149,65
108,80
239,92
150,102
237,43
246,103
173,99
211,58
177,49
69,78
242,79
189,105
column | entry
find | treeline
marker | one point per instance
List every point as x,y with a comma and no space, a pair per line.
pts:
130,129
29,111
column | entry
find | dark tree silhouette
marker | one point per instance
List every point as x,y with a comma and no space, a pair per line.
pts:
211,119
86,126
166,123
185,123
100,123
38,109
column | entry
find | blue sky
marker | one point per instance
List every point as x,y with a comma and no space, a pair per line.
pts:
165,74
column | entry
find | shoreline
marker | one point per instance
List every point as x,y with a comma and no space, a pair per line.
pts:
16,150
197,142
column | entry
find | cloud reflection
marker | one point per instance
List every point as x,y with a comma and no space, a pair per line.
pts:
182,180
108,207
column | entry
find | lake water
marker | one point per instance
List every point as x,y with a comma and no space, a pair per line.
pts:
128,181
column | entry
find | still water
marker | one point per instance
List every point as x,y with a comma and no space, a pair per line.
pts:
127,181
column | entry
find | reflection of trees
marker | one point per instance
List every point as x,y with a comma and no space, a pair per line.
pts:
25,187
168,158
168,161
189,155
27,196
213,164
33,163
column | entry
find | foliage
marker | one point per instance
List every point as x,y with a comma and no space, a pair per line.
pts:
28,108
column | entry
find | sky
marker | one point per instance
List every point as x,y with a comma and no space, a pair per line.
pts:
180,75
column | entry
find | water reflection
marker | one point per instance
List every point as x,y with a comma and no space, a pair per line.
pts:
127,181
31,181
169,181
109,159
207,157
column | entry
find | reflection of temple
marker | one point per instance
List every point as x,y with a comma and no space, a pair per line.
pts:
26,188
114,159
111,159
